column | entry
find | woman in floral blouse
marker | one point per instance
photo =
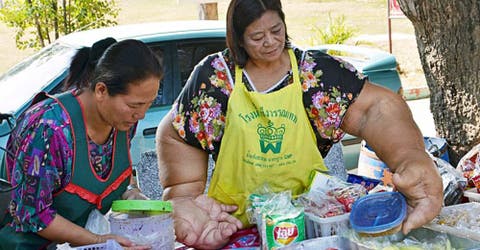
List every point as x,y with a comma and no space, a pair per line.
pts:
71,151
268,113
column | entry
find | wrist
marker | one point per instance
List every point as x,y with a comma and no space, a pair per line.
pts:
130,192
98,239
183,191
132,186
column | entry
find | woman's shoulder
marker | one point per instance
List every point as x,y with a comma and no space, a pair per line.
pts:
220,55
47,112
212,76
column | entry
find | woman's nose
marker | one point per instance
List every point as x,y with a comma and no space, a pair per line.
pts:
138,115
267,41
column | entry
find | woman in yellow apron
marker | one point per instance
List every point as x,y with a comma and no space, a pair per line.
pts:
267,112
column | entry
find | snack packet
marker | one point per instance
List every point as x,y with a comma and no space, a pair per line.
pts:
280,223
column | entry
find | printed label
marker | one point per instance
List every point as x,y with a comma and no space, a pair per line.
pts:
285,232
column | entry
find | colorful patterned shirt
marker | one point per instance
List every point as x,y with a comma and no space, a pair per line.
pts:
329,84
43,147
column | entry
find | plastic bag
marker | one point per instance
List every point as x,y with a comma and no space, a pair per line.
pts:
320,204
438,241
453,182
348,195
469,165
322,182
279,222
97,223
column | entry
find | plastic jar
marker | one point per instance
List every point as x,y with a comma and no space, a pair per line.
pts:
378,214
145,222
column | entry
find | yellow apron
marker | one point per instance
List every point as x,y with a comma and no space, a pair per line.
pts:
268,140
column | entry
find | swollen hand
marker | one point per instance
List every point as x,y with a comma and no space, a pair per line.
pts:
203,223
422,186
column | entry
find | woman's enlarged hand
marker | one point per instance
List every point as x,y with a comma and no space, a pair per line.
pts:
422,186
203,223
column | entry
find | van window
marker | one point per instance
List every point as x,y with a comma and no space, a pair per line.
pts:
190,53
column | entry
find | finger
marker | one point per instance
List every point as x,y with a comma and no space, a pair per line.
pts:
226,217
121,240
227,229
207,203
212,236
405,180
422,186
138,248
414,190
210,204
422,213
185,232
228,208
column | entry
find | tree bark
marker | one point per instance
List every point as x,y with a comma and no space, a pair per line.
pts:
448,40
55,19
208,11
64,15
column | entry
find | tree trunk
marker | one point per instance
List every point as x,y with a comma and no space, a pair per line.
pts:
37,23
448,40
55,19
208,11
64,15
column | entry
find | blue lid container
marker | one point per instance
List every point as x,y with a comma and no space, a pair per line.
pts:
378,212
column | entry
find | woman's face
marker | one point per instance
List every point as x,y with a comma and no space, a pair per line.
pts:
122,111
264,39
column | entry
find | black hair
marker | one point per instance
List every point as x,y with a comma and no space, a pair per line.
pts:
242,13
116,64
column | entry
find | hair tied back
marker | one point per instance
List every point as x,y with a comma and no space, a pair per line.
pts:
98,48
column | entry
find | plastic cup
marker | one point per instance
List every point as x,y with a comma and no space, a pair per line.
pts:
145,222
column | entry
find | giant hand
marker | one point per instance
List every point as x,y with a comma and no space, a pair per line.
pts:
422,186
203,223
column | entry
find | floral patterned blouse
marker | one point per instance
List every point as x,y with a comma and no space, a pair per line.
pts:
43,146
329,85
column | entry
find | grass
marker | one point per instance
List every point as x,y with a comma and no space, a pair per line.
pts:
368,17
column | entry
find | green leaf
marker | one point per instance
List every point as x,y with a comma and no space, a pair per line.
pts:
25,16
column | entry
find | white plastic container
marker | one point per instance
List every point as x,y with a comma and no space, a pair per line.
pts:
322,227
460,220
145,222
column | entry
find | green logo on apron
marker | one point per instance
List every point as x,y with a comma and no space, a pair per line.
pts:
270,137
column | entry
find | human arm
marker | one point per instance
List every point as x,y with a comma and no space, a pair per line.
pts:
62,230
200,221
182,168
384,120
133,192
